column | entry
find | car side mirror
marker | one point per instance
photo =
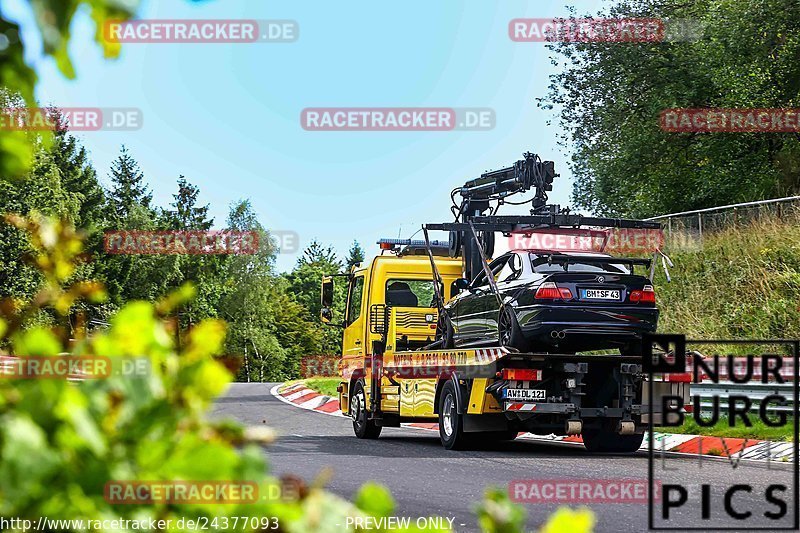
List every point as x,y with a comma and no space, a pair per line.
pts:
459,285
326,315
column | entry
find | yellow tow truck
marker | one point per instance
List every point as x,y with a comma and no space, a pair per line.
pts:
396,369
388,377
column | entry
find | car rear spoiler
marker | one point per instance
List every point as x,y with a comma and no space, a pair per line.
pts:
565,259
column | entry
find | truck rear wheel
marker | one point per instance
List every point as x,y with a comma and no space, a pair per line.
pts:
451,424
606,440
362,426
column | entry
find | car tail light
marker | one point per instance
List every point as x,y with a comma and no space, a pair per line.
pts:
646,296
521,374
551,291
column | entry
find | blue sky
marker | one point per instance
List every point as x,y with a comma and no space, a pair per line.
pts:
227,115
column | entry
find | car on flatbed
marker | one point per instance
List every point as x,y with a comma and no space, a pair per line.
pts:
553,301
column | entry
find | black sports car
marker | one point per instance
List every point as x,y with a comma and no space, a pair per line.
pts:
553,302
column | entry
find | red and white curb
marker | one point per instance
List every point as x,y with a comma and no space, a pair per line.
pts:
301,396
727,448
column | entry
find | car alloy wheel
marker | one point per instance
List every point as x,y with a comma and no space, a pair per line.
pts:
505,327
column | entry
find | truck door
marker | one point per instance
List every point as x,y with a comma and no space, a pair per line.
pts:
353,339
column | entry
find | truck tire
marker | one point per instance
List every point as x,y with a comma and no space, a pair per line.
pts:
451,424
362,426
606,440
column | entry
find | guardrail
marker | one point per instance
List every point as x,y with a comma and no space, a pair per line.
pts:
694,224
756,392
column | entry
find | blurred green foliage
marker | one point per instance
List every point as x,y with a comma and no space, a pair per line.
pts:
53,18
61,441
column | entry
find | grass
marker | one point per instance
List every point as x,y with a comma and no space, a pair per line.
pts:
758,430
739,282
325,386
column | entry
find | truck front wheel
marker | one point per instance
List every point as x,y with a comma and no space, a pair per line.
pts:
362,426
451,424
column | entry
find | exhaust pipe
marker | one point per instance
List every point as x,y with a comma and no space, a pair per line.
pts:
573,427
558,334
626,427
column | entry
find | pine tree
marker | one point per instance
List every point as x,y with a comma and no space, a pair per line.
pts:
77,176
129,193
355,256
319,256
186,215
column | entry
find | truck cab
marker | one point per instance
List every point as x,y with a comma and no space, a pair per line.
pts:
401,282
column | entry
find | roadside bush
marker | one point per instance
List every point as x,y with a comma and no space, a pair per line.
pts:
61,441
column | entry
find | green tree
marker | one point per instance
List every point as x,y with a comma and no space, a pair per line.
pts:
129,195
131,276
268,329
304,287
78,177
42,191
354,256
186,214
205,271
304,281
609,97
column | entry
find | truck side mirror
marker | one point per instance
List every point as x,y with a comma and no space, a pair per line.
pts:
459,285
325,314
327,291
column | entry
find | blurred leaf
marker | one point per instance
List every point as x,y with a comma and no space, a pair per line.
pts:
36,341
498,514
565,520
374,499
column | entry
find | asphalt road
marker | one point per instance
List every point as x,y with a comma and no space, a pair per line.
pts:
427,480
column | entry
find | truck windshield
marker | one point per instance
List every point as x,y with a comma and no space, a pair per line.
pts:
410,293
540,266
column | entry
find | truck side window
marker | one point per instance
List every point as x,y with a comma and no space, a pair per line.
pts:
354,302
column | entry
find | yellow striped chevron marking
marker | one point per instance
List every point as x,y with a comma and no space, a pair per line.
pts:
443,359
